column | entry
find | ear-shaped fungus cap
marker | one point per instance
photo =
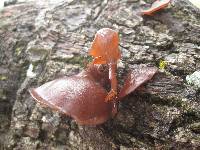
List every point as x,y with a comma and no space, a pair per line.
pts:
106,46
157,5
135,78
79,97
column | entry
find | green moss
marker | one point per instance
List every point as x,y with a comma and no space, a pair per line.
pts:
19,47
2,77
2,94
18,51
38,54
162,64
195,127
81,60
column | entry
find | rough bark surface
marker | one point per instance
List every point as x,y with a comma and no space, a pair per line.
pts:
52,39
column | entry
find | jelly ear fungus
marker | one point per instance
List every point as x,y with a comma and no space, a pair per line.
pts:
156,6
84,96
80,96
135,78
105,50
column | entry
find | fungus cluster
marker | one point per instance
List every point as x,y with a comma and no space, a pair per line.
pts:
89,102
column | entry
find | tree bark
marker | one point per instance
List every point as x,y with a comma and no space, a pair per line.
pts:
42,41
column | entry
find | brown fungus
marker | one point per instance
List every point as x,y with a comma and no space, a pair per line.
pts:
83,96
156,6
80,96
105,50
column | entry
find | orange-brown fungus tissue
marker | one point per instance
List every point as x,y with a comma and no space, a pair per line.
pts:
156,6
105,50
105,46
84,96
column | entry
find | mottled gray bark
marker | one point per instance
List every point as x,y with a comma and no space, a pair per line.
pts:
53,40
